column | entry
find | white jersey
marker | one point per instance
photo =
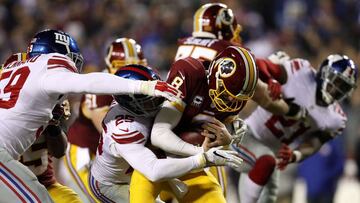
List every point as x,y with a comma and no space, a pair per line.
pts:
122,148
301,85
25,106
122,133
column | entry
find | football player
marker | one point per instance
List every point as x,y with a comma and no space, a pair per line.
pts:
212,99
215,28
30,90
126,129
274,141
84,133
51,143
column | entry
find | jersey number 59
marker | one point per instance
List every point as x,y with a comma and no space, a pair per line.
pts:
11,82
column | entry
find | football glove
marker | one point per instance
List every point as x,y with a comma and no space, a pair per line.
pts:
240,129
159,88
279,57
60,112
285,156
218,157
274,88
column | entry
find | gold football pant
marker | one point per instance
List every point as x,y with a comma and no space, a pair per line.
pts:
78,170
202,187
63,194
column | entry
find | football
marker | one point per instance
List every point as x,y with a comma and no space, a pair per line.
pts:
192,137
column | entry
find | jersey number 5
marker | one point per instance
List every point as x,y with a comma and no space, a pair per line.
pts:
9,91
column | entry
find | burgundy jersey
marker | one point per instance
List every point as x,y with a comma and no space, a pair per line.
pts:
204,49
37,159
83,132
189,76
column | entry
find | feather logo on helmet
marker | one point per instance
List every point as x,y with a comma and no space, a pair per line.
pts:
227,67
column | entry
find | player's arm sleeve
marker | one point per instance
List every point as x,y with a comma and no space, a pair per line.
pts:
145,161
182,76
64,82
262,97
312,144
163,137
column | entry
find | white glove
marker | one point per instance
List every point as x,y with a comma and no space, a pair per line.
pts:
218,157
159,88
240,129
279,57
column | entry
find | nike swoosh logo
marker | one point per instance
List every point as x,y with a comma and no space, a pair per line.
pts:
217,154
125,130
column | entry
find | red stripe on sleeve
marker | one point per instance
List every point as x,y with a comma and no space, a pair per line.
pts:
127,140
60,63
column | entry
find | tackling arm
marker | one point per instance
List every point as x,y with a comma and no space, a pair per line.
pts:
163,137
145,161
312,145
64,82
307,148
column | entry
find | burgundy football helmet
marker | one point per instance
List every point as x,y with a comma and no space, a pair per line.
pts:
123,51
216,20
232,79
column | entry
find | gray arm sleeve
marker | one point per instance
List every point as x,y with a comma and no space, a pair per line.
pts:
163,137
64,82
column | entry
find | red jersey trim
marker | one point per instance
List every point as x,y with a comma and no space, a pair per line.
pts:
60,62
128,138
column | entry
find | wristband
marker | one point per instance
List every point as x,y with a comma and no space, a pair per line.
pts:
298,155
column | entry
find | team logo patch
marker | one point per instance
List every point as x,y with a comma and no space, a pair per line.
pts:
63,39
227,67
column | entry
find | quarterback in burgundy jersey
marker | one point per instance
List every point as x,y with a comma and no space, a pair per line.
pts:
274,141
206,96
126,129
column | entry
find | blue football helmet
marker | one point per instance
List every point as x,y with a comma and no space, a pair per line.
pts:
55,41
336,78
139,105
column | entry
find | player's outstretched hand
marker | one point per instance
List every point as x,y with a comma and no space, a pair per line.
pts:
217,128
285,156
160,88
219,157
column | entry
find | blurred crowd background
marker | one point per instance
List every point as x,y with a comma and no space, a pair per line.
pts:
310,29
